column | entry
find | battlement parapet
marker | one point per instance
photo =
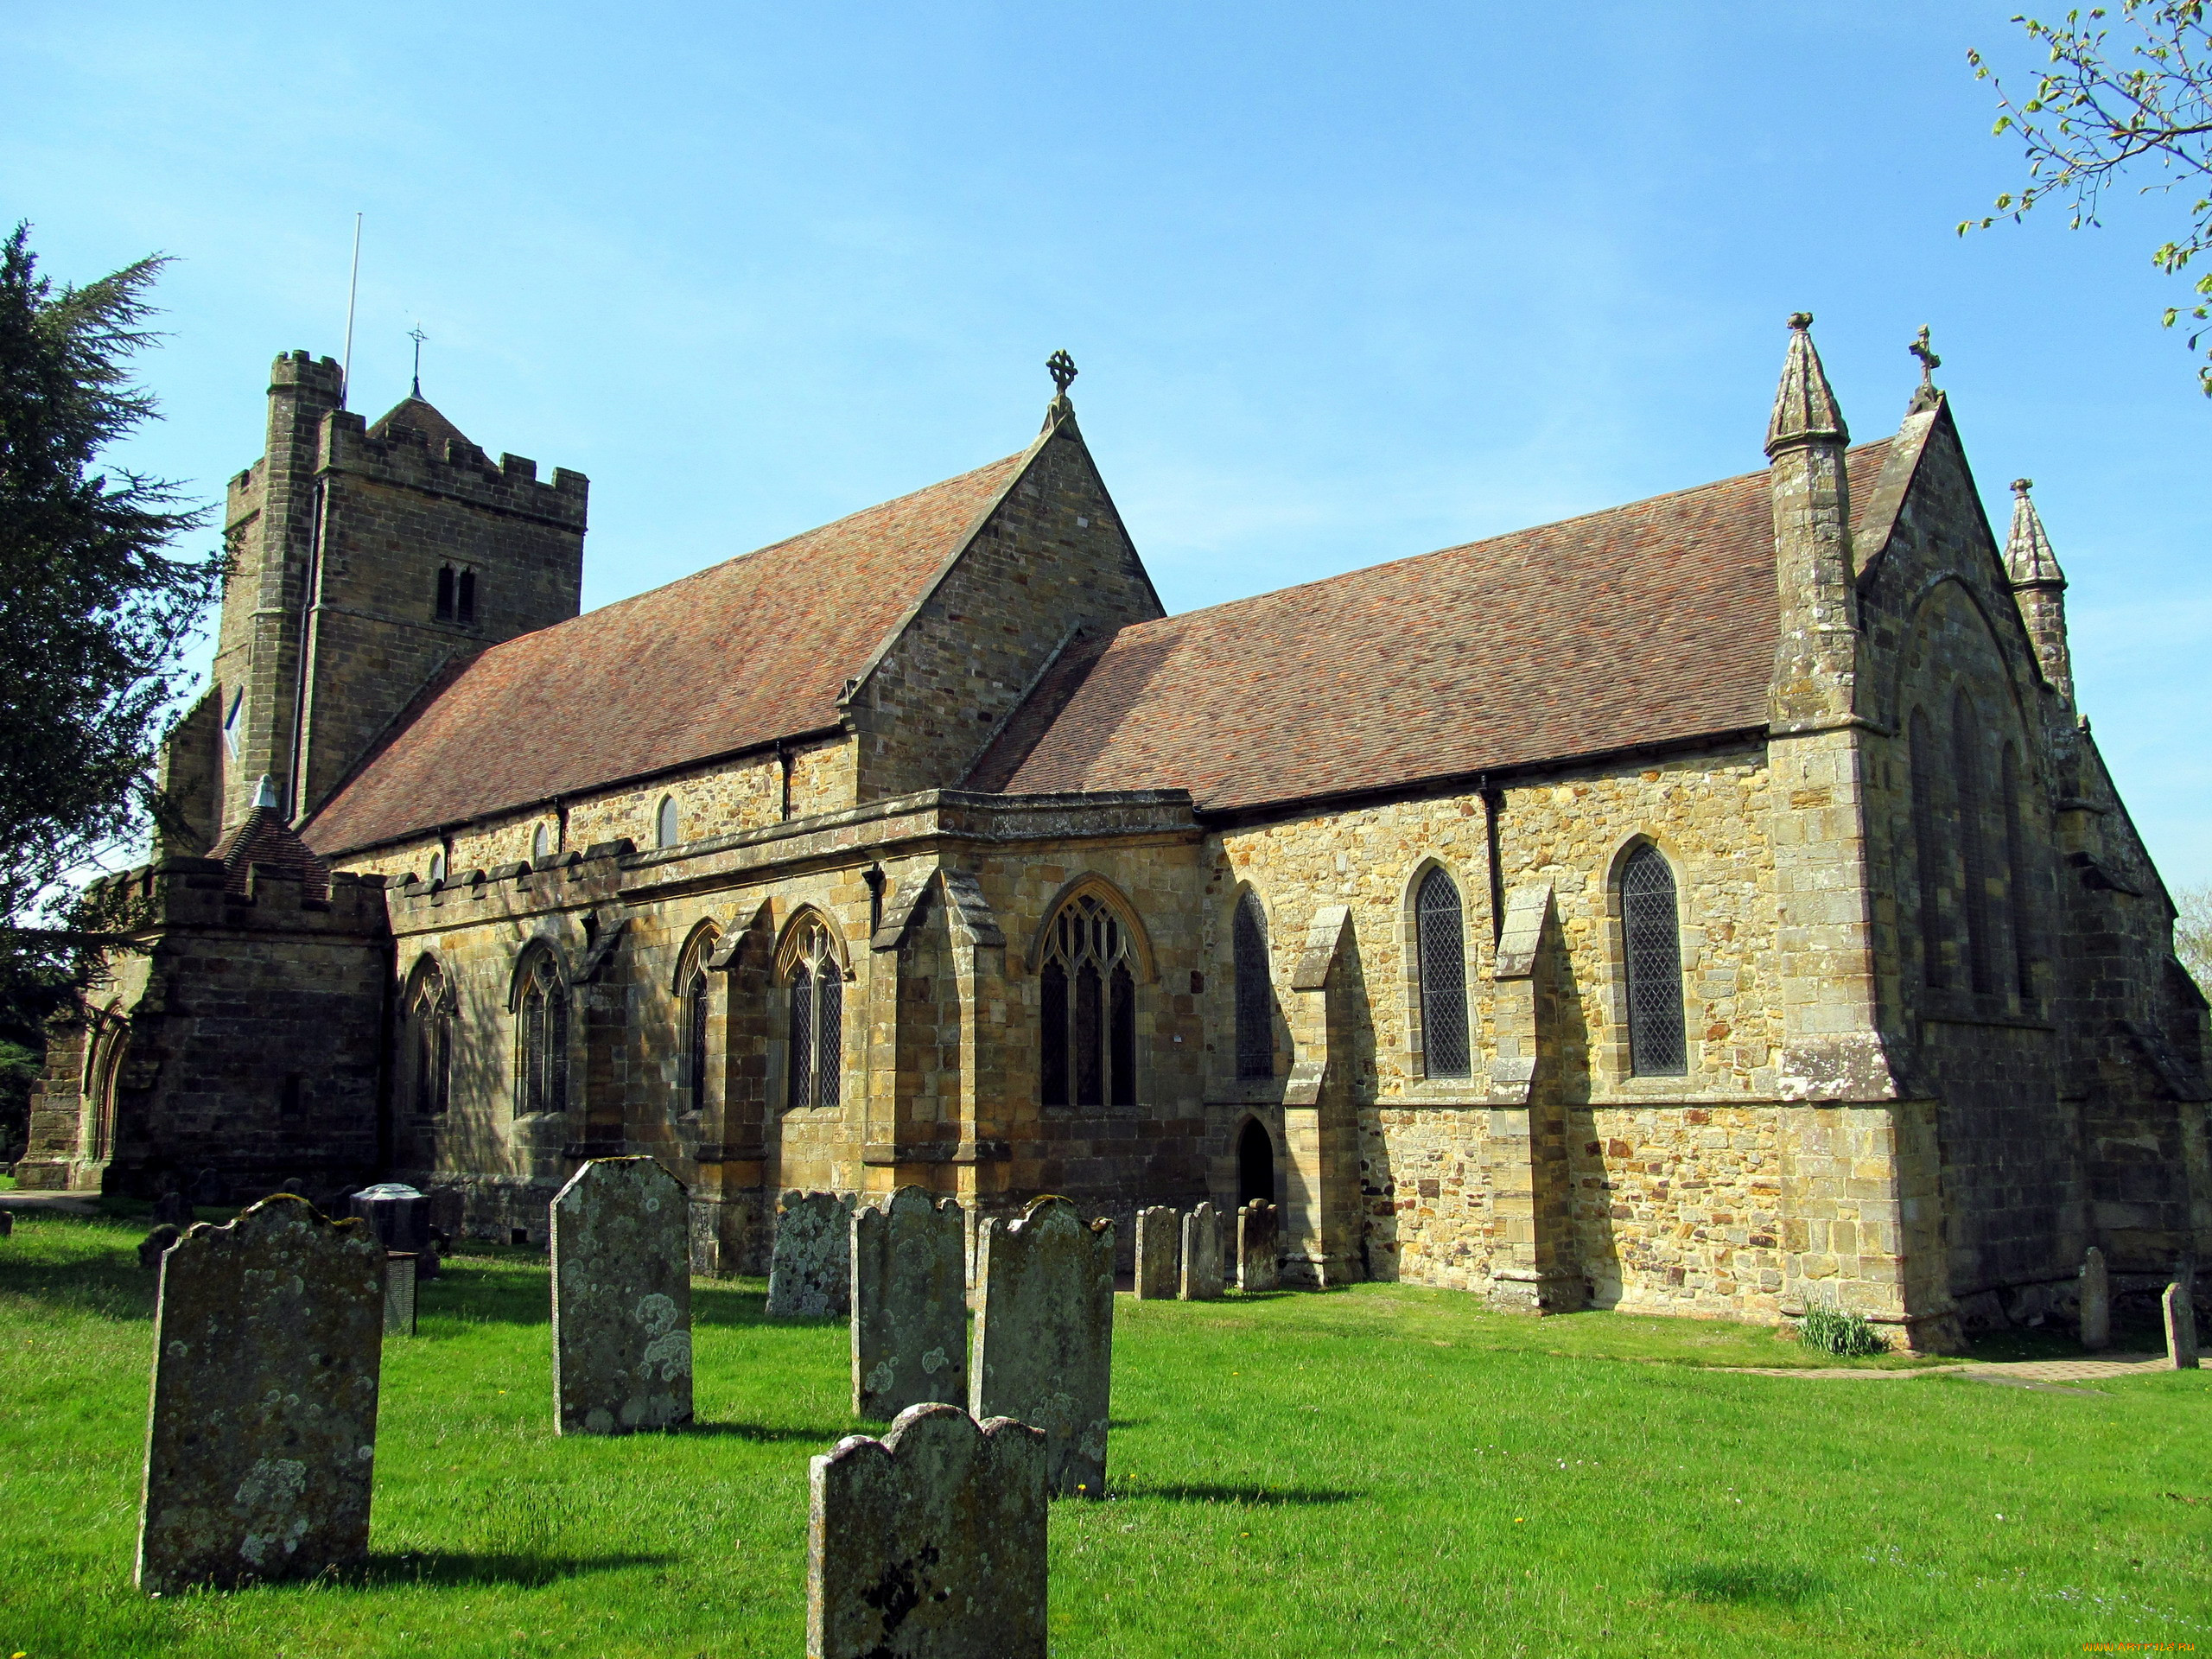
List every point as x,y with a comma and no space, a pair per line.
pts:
194,892
407,456
523,887
318,376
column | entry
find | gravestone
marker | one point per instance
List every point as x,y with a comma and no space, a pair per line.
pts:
1202,1255
1259,1262
2180,1309
7,1223
267,1338
174,1208
929,1543
401,1216
810,1275
399,1293
621,1298
910,1304
1159,1254
156,1244
208,1187
1044,1336
2096,1301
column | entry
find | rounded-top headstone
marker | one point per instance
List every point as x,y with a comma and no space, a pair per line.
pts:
621,1298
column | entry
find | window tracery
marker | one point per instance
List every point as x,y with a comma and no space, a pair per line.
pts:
542,1039
815,982
1087,1034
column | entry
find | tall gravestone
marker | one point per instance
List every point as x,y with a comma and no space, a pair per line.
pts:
1259,1259
261,1443
910,1303
621,1298
929,1543
2096,1301
1044,1335
1201,1255
810,1275
1159,1253
2180,1309
399,1293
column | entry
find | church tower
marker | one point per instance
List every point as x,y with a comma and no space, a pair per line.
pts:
364,559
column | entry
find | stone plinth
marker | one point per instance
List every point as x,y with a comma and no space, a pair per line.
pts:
1044,1335
2180,1309
910,1304
1201,1275
261,1444
1259,1262
929,1543
810,1276
2096,1302
621,1299
1159,1254
401,1216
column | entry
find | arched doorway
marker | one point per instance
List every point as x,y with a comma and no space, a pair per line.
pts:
1255,1165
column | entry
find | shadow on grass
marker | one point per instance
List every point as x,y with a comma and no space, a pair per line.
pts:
446,1566
1250,1496
821,1437
481,1294
1740,1584
110,1286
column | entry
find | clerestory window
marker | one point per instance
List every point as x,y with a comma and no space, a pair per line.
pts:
1087,1035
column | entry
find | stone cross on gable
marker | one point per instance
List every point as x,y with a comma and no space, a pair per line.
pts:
1924,396
1061,367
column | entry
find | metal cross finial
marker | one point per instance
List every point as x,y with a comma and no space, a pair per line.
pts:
2022,486
416,334
1928,361
1061,367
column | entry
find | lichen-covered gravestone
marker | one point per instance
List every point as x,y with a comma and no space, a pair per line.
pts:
261,1443
1159,1247
1044,1335
1259,1262
1202,1255
2096,1302
399,1293
621,1299
929,1543
810,1276
910,1303
2179,1307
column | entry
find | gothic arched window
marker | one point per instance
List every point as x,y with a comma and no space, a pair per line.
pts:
2016,873
430,1011
664,824
1440,936
1928,852
445,593
696,1011
438,866
1256,1001
1973,843
1087,1036
464,597
542,1039
816,984
1652,937
105,1075
541,843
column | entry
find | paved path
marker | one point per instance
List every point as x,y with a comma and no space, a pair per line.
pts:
2045,1375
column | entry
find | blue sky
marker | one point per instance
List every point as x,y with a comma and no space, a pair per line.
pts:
1346,282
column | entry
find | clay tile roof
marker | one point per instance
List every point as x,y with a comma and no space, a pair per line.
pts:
423,418
735,658
263,837
1646,624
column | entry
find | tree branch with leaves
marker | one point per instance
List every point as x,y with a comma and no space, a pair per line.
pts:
2102,111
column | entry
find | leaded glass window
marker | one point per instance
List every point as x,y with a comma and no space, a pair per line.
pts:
543,1039
1651,930
430,1012
1256,1001
1973,843
1928,854
816,988
694,1038
1442,939
1087,1003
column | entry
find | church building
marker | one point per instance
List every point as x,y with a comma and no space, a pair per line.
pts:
1712,905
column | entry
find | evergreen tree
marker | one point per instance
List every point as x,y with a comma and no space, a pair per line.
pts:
94,615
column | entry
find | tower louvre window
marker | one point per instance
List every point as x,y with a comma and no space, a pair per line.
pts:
1652,937
464,603
816,988
1440,935
1256,1021
445,593
1087,1040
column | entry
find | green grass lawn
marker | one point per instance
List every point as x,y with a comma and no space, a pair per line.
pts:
1377,1471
